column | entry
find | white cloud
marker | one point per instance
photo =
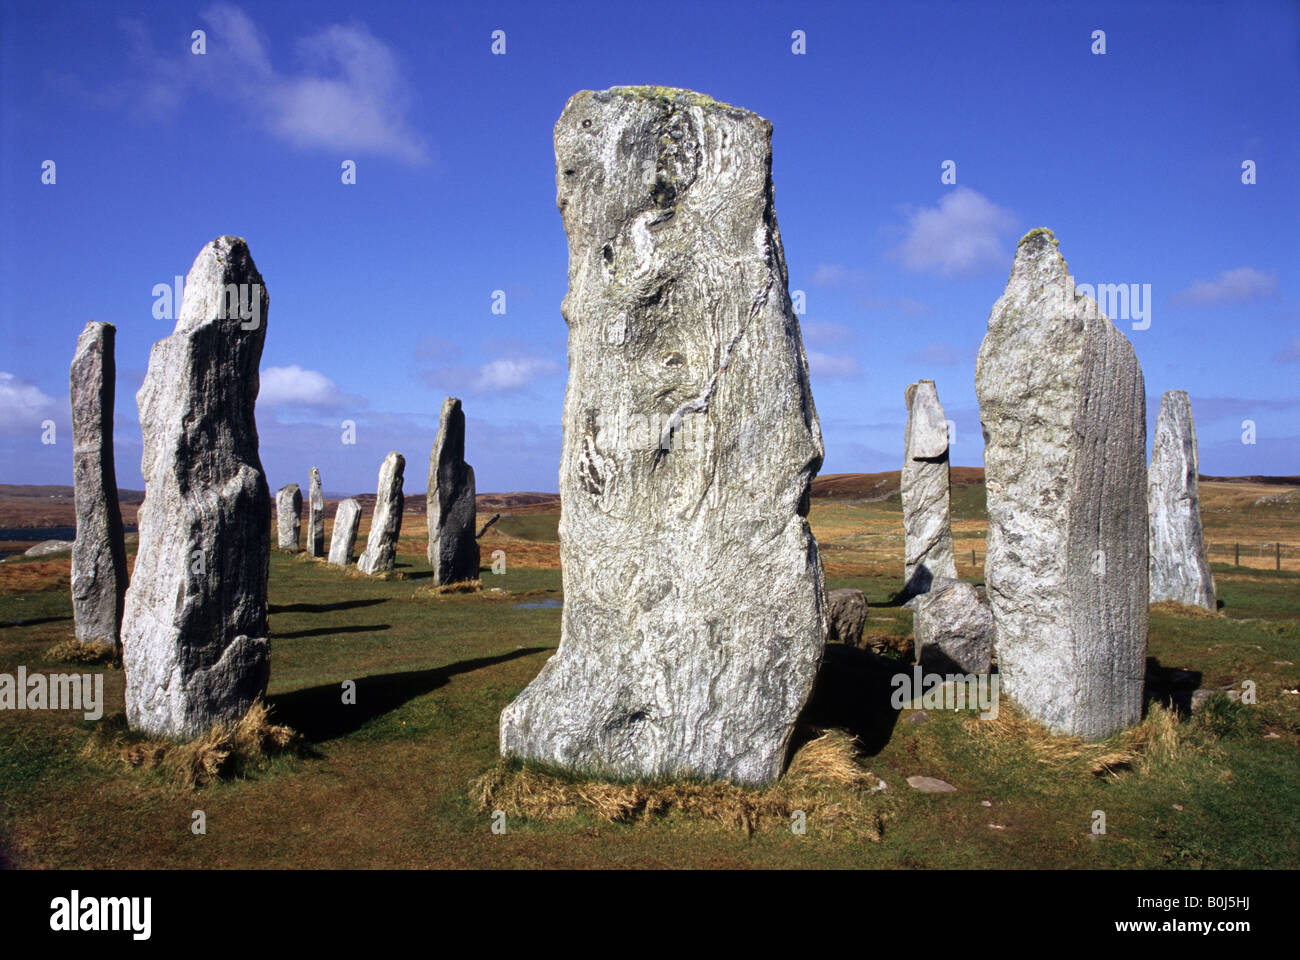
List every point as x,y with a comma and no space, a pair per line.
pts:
962,235
349,93
295,386
833,366
826,333
836,275
942,354
511,374
23,405
1231,286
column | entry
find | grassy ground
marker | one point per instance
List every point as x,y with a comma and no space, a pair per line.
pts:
386,782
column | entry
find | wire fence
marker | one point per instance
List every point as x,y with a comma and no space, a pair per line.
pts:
1255,553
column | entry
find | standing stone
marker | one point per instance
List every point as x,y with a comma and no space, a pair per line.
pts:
315,516
1064,415
99,552
694,607
953,629
924,490
346,520
1180,569
288,515
453,548
380,555
847,616
194,637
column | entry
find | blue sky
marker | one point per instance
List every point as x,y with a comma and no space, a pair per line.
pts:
382,290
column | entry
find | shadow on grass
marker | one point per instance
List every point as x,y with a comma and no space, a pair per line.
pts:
852,693
330,631
1170,688
323,607
33,623
319,714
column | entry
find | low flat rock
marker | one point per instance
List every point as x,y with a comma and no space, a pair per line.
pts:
953,629
930,785
47,547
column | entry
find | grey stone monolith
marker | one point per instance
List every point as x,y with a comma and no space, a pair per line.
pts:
453,546
924,490
694,609
99,551
1179,566
315,516
288,516
194,635
380,555
953,629
344,536
1063,411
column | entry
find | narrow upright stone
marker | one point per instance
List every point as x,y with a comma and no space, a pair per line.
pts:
924,490
288,515
315,516
1064,415
380,554
344,537
99,552
194,637
1180,569
453,548
694,608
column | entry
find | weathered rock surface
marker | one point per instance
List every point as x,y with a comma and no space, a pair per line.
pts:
315,516
49,546
344,536
453,547
1063,410
694,612
930,785
288,515
1179,567
924,490
380,554
953,629
194,636
99,552
847,616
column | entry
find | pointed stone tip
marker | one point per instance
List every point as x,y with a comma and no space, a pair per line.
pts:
675,95
1040,235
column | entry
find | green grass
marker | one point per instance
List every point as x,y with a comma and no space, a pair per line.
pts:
385,782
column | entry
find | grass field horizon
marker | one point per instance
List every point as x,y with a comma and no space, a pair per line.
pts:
395,780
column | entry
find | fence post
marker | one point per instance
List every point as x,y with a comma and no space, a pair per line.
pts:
1237,562
1277,547
972,557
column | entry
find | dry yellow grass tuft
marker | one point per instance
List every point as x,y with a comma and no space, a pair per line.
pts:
442,590
1156,740
824,781
1169,608
223,751
76,651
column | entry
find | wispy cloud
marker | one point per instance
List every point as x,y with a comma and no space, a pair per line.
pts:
942,354
347,94
837,275
1239,285
837,366
826,333
297,387
24,406
512,373
962,235
1289,353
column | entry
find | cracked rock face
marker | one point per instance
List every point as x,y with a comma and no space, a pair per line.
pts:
924,490
954,629
315,516
1064,416
194,637
1180,569
288,516
380,554
99,552
694,615
344,537
453,548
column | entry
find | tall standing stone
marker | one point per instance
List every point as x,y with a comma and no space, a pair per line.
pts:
380,554
1064,415
1180,569
288,516
99,552
923,487
344,537
453,547
315,516
194,637
694,608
